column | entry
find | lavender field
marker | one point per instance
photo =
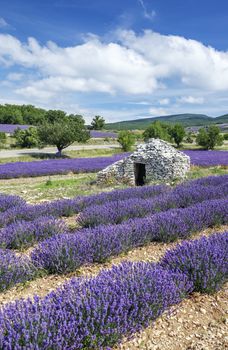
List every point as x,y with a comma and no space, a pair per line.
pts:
10,128
56,166
108,225
208,158
85,165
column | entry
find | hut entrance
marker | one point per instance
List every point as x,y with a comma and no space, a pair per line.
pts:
140,174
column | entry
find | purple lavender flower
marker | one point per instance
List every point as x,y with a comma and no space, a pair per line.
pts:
8,201
64,253
93,313
56,166
23,234
14,269
207,158
119,211
203,261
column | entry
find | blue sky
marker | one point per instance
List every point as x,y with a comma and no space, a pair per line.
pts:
121,59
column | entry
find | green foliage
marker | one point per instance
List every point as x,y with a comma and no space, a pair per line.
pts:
26,138
21,114
157,130
2,139
63,133
98,123
225,136
54,116
126,139
177,133
30,115
189,137
210,137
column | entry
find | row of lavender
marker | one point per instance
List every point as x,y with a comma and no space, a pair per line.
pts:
14,209
19,210
96,313
82,165
66,252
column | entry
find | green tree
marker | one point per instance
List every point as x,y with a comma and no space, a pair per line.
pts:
210,137
27,138
10,114
225,136
98,123
177,133
157,130
126,139
63,133
189,137
55,116
2,139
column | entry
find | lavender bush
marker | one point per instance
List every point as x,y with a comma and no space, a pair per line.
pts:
8,201
14,269
68,207
203,261
119,211
65,253
23,234
92,313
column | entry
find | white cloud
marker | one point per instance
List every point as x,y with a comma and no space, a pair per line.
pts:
164,101
191,100
3,23
14,76
147,14
193,63
147,67
158,112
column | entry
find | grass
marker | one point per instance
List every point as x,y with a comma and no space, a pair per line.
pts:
38,189
197,172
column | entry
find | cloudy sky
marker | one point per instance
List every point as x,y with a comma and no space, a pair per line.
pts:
122,59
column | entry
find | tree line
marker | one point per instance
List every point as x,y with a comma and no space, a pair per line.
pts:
207,137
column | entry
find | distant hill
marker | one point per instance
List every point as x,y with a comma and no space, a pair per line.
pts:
185,119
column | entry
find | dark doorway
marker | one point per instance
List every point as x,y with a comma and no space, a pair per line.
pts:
140,174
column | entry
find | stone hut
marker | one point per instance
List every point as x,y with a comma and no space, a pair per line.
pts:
154,161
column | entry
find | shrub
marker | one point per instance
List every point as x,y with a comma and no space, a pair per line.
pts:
23,234
8,201
93,313
27,138
119,211
210,137
126,139
157,130
14,269
203,261
177,133
64,253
